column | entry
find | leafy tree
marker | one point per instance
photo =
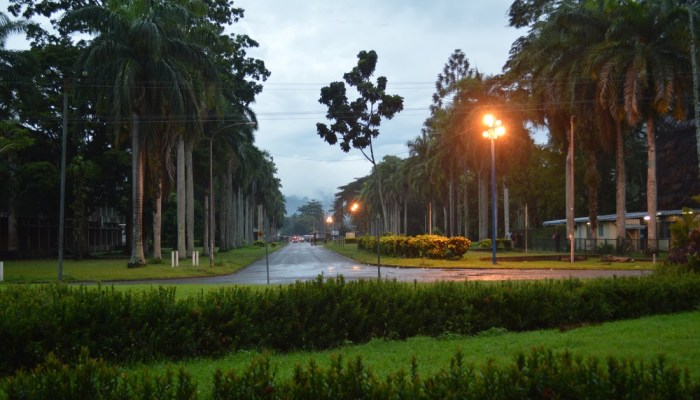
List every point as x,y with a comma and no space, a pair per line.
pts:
356,123
141,61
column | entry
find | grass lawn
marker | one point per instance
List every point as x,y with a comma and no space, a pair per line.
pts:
109,269
675,336
472,260
102,269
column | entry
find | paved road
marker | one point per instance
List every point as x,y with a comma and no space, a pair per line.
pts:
302,261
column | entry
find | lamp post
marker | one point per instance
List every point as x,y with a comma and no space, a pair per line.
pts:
353,209
62,209
329,222
64,139
211,187
494,131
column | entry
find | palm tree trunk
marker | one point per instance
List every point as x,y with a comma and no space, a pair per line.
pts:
696,96
181,201
205,240
651,186
466,206
452,206
506,207
189,204
620,192
483,206
405,217
593,183
230,215
430,218
157,218
137,255
223,244
12,230
239,217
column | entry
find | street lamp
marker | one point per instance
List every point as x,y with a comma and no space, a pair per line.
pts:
211,187
329,222
353,209
64,137
494,131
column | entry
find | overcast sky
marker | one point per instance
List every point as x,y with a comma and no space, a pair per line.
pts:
309,43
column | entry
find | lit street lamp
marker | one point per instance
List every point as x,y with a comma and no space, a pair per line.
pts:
494,131
329,222
211,187
353,209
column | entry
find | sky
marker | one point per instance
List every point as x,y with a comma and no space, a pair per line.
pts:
310,43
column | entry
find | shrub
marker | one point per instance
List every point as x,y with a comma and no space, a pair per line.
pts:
259,243
91,378
457,246
606,248
320,314
539,374
485,243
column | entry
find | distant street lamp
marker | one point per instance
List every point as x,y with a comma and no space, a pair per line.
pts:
329,222
64,137
353,209
211,187
494,131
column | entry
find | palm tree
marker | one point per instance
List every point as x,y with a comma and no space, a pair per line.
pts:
551,62
13,137
643,64
141,60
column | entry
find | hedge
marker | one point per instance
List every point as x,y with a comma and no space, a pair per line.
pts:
125,327
540,374
430,246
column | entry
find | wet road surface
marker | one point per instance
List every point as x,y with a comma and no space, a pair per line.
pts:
302,261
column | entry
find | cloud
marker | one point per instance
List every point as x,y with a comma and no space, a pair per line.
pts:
306,45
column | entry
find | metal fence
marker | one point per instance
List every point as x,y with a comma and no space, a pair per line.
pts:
627,247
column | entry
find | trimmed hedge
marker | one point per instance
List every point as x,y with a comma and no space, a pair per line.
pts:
541,374
430,246
125,327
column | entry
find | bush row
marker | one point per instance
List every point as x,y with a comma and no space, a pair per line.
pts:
540,374
430,246
123,326
501,243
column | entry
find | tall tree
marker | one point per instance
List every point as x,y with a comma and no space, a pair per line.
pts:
643,46
139,58
357,123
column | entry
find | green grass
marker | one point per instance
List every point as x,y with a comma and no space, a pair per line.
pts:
110,269
676,336
472,260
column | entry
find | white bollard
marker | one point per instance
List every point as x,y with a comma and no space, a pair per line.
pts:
2,272
174,259
195,258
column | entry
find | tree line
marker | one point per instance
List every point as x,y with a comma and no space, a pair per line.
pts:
155,98
610,70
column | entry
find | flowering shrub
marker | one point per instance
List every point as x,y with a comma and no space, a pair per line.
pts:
430,246
457,246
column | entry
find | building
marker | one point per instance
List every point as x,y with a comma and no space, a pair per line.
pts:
636,231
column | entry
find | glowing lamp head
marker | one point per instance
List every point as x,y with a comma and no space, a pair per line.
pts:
354,207
495,127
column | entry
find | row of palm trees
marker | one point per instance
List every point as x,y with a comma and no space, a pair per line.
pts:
164,74
615,66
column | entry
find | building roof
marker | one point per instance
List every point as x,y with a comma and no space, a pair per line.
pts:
613,217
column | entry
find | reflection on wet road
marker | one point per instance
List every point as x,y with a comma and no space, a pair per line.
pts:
302,261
